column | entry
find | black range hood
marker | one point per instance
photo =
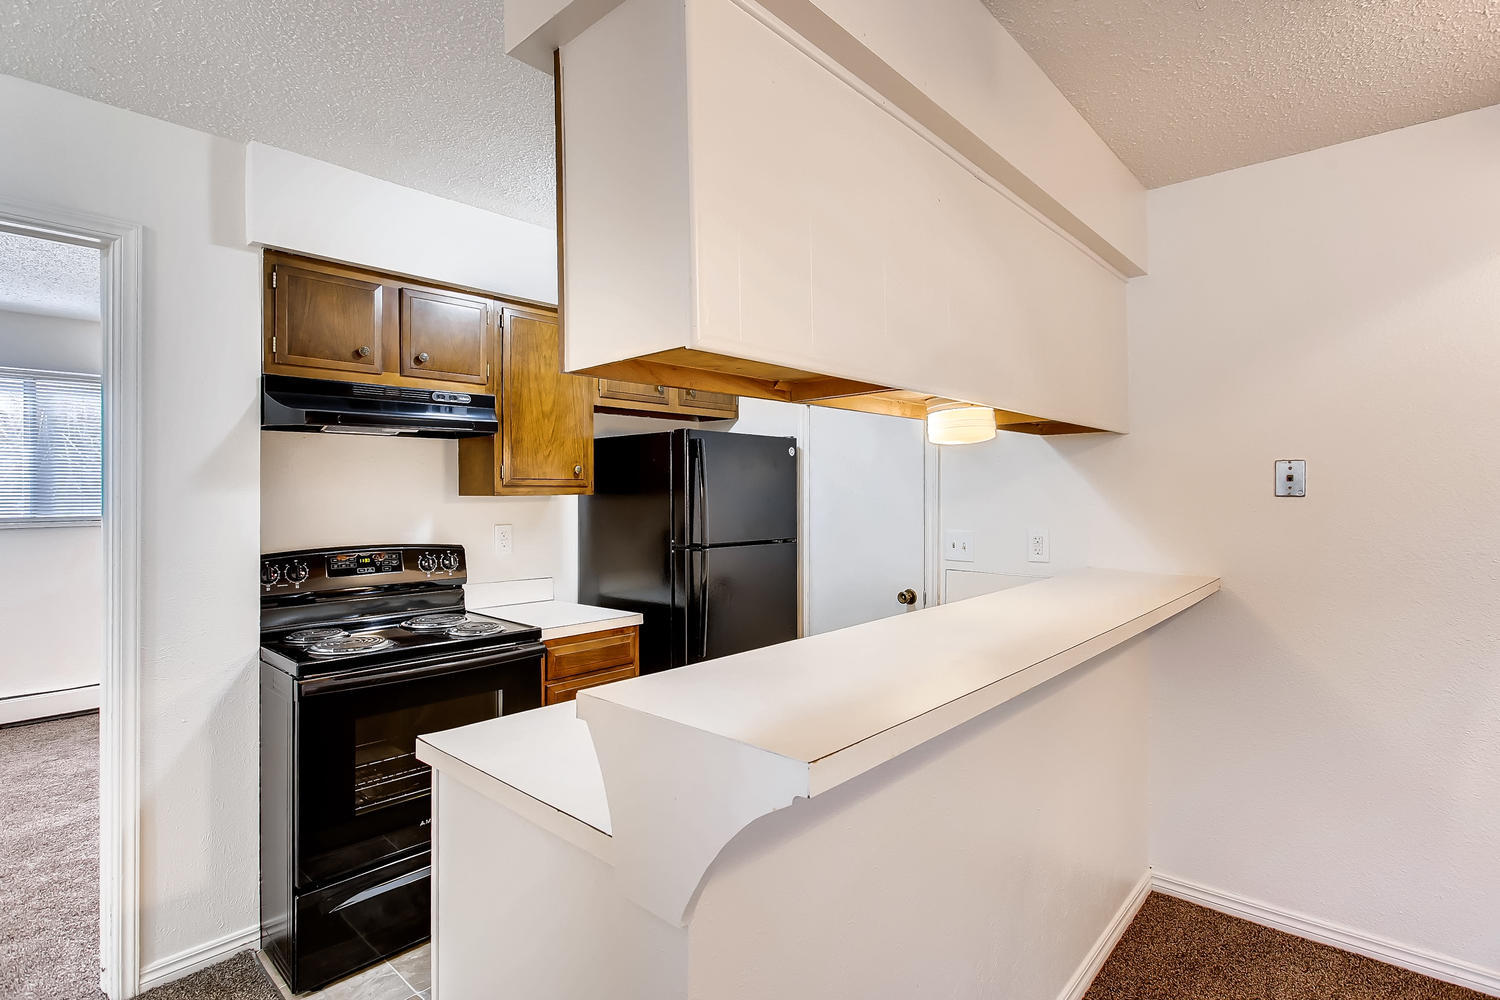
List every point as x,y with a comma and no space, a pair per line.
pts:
289,403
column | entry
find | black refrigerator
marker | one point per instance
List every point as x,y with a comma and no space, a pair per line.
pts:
696,531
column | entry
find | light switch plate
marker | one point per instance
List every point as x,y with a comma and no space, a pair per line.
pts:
1038,545
504,540
1291,477
958,546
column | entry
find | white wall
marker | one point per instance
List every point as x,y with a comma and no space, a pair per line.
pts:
1019,836
317,490
50,343
52,587
296,203
200,486
1325,730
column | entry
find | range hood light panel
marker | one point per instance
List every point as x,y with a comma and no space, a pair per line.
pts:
367,431
960,423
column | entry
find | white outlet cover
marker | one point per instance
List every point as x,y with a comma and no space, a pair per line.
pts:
504,539
1038,546
958,546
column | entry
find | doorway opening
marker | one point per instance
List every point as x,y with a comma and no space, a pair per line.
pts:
69,541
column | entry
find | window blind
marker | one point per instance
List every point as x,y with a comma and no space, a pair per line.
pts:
49,447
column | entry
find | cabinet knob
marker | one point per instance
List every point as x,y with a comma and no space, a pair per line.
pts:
907,596
364,352
692,393
661,390
423,358
577,470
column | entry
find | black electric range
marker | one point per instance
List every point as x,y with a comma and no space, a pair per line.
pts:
362,651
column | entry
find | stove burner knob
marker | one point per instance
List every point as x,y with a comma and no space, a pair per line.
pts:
450,561
270,574
297,572
427,562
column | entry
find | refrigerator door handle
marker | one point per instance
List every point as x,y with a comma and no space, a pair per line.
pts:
703,600
699,533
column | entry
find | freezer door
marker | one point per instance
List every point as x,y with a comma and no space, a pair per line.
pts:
739,597
736,487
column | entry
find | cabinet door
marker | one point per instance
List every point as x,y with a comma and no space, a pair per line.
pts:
634,395
444,335
327,320
546,415
714,404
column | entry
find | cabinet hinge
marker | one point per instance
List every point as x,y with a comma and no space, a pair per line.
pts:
273,277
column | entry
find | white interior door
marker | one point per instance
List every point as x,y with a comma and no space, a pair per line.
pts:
865,528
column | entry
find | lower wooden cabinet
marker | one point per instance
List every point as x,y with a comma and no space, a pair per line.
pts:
546,440
585,661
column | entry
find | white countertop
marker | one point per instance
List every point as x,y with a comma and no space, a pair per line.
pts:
560,619
545,754
814,698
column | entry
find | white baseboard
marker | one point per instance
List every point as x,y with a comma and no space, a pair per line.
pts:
45,704
1084,977
1449,970
184,962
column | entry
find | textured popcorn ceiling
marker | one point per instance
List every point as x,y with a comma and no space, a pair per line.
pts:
54,279
416,93
1184,88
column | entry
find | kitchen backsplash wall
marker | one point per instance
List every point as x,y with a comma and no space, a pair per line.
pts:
322,489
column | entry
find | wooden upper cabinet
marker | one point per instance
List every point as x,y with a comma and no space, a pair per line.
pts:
648,400
444,335
546,439
327,319
638,395
718,405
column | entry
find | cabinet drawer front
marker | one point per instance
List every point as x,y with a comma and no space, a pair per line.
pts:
635,392
712,402
558,691
327,320
586,654
443,335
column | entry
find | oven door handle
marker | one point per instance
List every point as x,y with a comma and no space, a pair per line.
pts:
443,667
376,890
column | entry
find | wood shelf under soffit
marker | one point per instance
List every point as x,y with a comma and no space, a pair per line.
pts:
684,368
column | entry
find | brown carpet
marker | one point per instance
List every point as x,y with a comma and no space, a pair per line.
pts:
1177,951
49,851
239,978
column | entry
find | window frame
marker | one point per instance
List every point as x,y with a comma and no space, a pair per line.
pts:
82,520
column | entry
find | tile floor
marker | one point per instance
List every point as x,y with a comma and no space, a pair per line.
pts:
408,976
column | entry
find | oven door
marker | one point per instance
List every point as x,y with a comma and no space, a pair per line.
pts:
362,797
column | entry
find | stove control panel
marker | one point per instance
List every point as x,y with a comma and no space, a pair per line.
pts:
318,571
364,563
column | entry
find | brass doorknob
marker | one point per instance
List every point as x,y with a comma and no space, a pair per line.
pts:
907,596
423,358
364,352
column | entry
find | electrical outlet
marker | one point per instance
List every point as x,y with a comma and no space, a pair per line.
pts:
504,543
1038,545
958,546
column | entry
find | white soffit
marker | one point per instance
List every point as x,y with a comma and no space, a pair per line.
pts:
420,94
48,278
1185,88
